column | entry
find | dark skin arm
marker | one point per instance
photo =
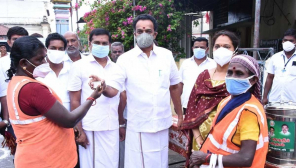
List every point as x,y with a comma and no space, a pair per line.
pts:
176,98
267,87
181,87
61,116
121,107
4,111
75,97
244,158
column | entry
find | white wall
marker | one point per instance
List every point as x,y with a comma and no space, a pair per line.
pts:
28,14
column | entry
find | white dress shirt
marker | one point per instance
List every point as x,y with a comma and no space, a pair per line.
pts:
4,66
189,72
147,81
284,82
59,84
68,60
104,115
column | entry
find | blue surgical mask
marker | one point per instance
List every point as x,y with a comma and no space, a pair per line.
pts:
100,51
236,86
199,53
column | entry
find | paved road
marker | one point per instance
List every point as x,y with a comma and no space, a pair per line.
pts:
6,160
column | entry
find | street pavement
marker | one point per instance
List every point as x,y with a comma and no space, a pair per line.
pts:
6,160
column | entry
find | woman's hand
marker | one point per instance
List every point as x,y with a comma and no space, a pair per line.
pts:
197,158
199,141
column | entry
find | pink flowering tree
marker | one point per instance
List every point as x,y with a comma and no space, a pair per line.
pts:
117,17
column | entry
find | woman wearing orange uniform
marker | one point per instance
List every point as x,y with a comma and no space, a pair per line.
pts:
239,135
41,123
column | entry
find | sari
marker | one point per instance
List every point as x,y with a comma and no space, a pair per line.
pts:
201,109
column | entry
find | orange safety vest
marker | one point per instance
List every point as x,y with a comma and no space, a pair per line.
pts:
41,142
219,140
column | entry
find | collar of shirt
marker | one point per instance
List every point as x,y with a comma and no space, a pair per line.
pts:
139,52
284,54
91,58
206,60
67,58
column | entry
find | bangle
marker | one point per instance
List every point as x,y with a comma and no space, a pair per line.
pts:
206,160
198,136
92,99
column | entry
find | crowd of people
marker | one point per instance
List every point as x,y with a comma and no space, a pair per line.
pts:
65,109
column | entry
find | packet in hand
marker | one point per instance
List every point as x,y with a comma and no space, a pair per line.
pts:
96,84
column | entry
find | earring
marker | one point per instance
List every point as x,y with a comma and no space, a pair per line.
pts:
24,68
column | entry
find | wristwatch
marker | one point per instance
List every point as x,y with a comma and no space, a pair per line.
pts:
6,122
122,125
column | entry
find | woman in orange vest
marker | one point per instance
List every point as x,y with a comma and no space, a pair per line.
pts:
239,135
42,125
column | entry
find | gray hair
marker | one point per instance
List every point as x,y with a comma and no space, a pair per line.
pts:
117,44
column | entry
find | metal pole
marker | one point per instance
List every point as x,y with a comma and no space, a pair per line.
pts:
77,17
256,27
71,16
134,14
201,25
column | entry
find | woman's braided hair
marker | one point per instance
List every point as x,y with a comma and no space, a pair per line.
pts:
24,47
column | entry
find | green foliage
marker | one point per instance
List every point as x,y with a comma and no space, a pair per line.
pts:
117,16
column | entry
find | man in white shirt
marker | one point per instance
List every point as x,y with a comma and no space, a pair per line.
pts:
73,45
58,77
12,34
99,129
192,67
281,79
150,77
117,49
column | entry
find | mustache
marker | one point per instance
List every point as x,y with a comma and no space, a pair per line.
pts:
72,48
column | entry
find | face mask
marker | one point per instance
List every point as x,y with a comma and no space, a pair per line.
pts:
236,86
40,71
288,46
199,53
144,40
222,56
56,56
100,51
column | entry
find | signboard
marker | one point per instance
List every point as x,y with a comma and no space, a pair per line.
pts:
281,135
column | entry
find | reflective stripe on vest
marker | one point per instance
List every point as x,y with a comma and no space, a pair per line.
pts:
18,121
232,126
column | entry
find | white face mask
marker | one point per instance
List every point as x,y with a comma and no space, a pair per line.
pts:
288,46
222,56
56,56
40,71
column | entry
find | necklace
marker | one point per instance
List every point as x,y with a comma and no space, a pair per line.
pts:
214,74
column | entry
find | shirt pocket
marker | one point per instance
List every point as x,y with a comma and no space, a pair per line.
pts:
292,70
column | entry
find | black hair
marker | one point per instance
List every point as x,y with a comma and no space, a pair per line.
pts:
99,31
234,39
55,36
25,47
2,45
37,35
17,30
290,32
145,17
200,39
271,127
285,125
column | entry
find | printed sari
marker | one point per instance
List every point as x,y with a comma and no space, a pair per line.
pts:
203,101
